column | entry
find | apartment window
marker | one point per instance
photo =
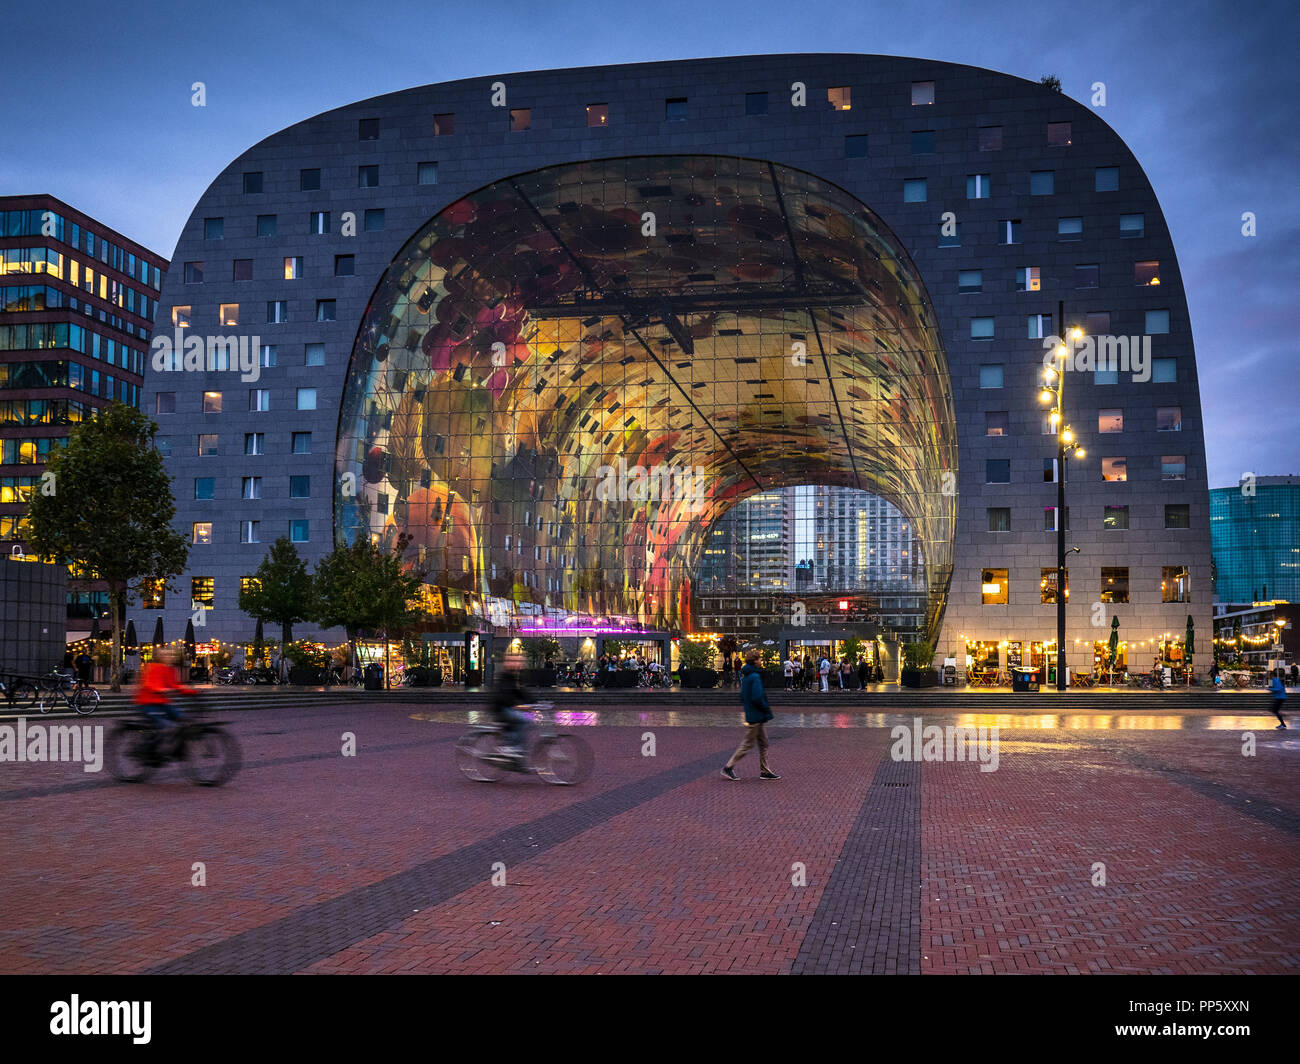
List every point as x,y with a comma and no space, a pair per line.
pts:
923,142
1042,182
970,281
950,235
1049,519
254,442
1173,467
1097,323
1069,228
308,180
1169,419
306,398
228,314
444,125
326,309
521,119
999,518
1175,583
1178,515
977,186
153,594
1058,134
164,403
1009,231
426,174
201,532
1040,325
270,355
1114,469
840,98
997,471
252,182
318,223
277,311
996,423
201,592
163,445
1114,518
1087,275
250,532
1157,321
1049,471
1106,179
1146,273
241,270
993,587
251,488
1114,584
990,138
1029,279
267,224
293,268
212,402
1132,225
368,176
1164,370
1110,421
374,220
675,109
299,531
981,328
855,146
1047,586
914,191
194,273
1105,376
313,355
259,399
598,113
755,104
300,487
205,487
302,443
213,229
207,444
368,129
922,93
991,376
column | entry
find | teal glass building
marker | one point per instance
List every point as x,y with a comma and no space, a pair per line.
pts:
1255,539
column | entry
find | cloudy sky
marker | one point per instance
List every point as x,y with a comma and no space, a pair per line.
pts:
96,110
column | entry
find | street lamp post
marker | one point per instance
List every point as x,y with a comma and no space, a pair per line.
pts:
1066,447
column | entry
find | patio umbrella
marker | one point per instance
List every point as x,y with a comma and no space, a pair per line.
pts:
131,641
1189,646
189,639
158,639
1112,648
94,626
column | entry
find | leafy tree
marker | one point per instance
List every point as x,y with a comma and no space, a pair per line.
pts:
281,590
853,648
537,650
695,654
1050,81
727,646
105,507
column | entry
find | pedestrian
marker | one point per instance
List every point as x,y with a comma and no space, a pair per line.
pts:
846,675
1278,690
1214,675
85,665
824,670
787,667
863,673
1295,675
726,670
757,714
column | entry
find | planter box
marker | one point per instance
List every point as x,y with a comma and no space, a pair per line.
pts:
306,676
538,677
424,677
919,678
699,678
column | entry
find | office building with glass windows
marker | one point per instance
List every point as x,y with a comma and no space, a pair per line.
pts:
1255,533
554,325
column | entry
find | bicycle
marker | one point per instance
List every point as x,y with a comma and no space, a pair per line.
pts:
558,757
75,696
209,755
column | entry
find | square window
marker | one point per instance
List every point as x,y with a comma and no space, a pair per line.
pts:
164,403
1157,321
840,99
308,180
259,399
1087,275
1058,134
521,119
675,109
201,532
204,487
1029,279
996,423
1047,586
1069,228
250,531
254,442
374,220
214,228
318,223
970,280
1169,419
444,125
1146,273
1164,370
1114,518
277,312
597,115
368,129
1173,467
228,314
302,443
977,186
1009,231
1114,584
1042,183
914,191
153,594
194,273
1106,179
242,270
991,376
427,174
993,587
1106,376
950,234
1040,326
1132,225
207,445
266,224
253,182
163,445
368,176
1178,515
306,398
981,328
250,488
923,142
999,518
300,487
755,104
1049,471
997,471
326,309
299,531
1175,583
270,355
1114,469
201,592
345,265
922,93
314,355
212,402
1049,519
855,146
293,267
1097,323
1110,421
990,138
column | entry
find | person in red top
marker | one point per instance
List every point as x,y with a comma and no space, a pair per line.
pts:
157,680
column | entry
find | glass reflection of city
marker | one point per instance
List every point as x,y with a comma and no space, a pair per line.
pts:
568,377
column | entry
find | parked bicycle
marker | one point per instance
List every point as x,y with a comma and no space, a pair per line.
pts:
557,757
46,692
209,755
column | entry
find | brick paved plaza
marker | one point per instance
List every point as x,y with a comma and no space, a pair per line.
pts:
383,862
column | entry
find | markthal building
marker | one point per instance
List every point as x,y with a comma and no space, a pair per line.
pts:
552,326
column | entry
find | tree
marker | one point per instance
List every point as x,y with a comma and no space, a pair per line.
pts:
280,591
1050,81
364,586
537,650
105,508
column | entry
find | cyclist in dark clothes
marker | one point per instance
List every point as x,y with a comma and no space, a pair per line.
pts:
507,695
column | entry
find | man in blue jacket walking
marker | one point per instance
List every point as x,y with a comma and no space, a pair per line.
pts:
1278,690
757,714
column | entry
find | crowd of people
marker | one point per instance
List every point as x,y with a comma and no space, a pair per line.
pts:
814,673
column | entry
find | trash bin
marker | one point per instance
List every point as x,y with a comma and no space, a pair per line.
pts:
374,675
1023,679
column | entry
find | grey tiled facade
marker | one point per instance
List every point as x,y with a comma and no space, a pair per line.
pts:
33,616
812,138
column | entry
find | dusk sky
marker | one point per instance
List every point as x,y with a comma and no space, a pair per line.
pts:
96,101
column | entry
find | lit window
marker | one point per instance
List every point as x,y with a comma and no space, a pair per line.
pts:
228,314
444,125
996,423
1114,518
1058,134
993,587
201,592
1173,467
1029,279
1146,273
1175,583
212,402
1169,419
1110,421
201,532
521,119
1114,469
181,317
598,114
207,445
840,99
153,594
922,93
914,191
293,267
1047,586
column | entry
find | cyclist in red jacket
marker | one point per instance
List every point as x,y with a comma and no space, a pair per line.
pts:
157,680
